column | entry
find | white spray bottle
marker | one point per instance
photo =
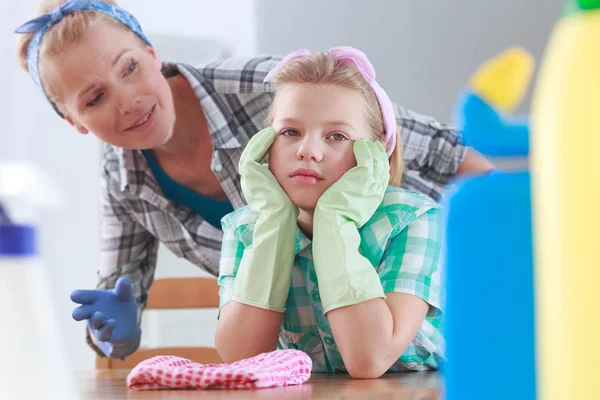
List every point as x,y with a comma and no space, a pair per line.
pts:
33,363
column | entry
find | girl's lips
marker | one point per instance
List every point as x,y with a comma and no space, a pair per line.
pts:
307,172
309,179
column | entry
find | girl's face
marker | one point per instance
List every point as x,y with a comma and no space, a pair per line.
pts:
316,126
111,84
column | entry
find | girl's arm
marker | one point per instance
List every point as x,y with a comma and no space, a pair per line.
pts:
252,300
257,256
244,331
371,336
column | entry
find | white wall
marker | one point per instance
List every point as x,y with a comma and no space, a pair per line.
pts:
423,51
229,21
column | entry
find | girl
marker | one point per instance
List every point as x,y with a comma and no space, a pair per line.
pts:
330,256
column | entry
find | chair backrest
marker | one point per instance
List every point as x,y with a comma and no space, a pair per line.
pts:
174,294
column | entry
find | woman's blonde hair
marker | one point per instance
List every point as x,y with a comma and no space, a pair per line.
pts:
324,69
68,31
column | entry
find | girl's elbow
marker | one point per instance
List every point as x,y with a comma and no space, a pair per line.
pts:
231,352
228,345
222,347
366,367
366,372
233,345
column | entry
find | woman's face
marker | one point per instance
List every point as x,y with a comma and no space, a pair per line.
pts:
111,84
316,127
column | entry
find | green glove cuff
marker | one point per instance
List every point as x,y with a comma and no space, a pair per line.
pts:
264,274
345,277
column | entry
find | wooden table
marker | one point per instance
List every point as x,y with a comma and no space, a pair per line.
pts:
110,384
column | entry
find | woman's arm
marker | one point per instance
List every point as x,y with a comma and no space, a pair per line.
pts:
245,331
386,328
435,153
128,250
474,163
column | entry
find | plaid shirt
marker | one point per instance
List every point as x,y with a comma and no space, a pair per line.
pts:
136,215
402,241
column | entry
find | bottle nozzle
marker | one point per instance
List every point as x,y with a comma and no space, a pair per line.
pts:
25,187
578,6
588,4
4,220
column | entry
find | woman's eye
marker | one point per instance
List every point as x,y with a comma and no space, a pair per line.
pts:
290,132
95,100
132,67
338,137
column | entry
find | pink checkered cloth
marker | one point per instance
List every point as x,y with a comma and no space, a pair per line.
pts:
277,368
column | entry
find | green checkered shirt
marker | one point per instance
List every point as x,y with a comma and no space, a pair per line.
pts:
402,240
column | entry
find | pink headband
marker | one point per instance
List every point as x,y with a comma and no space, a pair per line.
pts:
358,59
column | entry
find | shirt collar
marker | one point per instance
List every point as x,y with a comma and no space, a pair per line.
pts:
220,124
302,242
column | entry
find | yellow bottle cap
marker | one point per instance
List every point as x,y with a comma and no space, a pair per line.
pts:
504,79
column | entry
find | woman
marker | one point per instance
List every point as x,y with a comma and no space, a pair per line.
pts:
173,136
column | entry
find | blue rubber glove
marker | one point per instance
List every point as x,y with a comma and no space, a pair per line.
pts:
111,317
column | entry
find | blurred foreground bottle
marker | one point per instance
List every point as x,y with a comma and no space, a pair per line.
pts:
34,364
566,186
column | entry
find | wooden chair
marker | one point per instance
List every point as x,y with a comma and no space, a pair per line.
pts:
174,294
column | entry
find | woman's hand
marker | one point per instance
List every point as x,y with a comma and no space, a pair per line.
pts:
111,317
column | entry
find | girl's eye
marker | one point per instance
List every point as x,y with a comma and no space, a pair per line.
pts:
95,100
338,137
290,132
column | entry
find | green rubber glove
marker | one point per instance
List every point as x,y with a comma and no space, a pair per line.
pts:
264,275
346,277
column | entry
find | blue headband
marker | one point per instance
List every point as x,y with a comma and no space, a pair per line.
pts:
41,24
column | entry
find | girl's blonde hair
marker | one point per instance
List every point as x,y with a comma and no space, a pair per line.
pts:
68,31
324,69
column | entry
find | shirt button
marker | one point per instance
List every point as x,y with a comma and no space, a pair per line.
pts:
218,167
435,124
316,296
322,324
328,340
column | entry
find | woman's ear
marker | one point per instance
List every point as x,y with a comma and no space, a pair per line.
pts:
157,60
80,128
